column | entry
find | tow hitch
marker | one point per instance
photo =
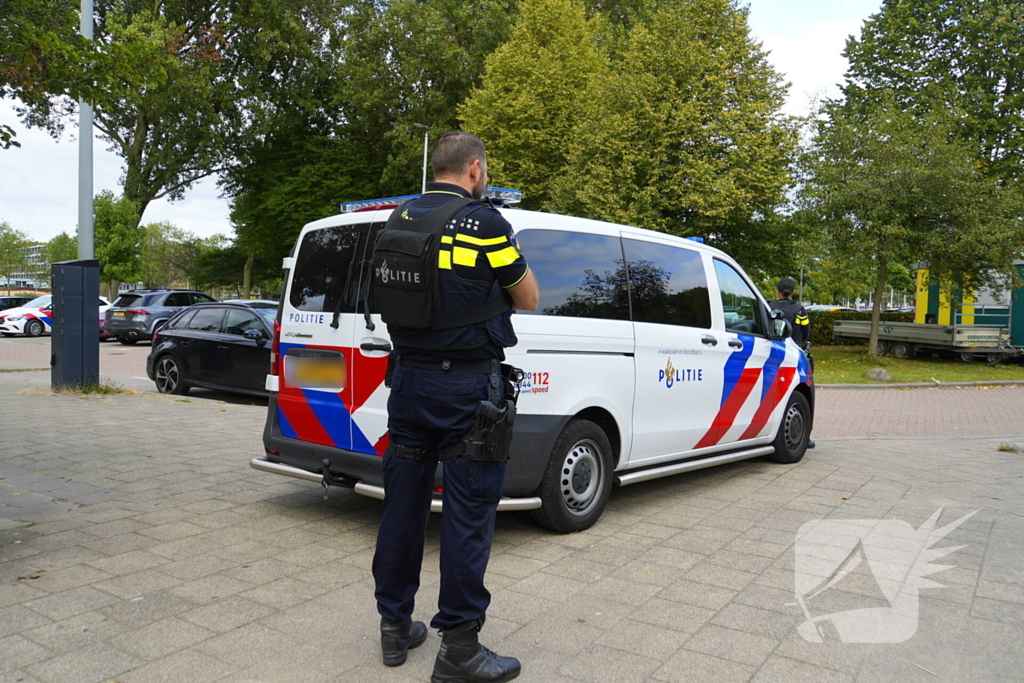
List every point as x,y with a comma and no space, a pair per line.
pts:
330,480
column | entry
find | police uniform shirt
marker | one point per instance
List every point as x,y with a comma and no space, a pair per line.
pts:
796,315
478,251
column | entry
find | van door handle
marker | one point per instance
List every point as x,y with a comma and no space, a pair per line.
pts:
736,343
370,346
709,340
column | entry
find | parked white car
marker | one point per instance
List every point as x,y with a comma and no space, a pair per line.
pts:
36,317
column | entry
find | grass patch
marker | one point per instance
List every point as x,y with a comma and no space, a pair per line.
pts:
848,364
23,369
1008,448
101,389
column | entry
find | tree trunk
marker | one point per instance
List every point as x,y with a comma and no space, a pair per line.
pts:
247,274
876,306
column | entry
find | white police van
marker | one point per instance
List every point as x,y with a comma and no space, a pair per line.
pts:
648,356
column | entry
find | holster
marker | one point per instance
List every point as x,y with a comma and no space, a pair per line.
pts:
489,438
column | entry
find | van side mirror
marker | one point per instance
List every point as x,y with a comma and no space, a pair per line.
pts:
781,328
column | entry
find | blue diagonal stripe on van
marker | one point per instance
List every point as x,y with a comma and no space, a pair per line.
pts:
284,425
771,366
734,366
330,410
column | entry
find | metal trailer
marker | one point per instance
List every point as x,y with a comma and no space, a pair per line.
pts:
908,339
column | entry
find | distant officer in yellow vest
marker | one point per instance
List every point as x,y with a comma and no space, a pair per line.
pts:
793,311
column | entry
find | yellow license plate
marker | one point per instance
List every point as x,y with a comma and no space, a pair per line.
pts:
118,314
315,373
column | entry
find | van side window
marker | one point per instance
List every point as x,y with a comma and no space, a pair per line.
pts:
323,267
739,303
667,284
579,275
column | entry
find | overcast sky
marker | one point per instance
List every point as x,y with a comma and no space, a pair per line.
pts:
39,181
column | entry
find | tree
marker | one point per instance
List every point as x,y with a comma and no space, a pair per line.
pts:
413,61
12,252
194,81
687,136
530,98
168,255
63,247
937,56
119,239
891,188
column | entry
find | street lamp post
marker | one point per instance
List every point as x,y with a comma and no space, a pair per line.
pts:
426,137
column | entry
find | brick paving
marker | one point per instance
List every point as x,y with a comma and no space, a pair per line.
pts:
160,556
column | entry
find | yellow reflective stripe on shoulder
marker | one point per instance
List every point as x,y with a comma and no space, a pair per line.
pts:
520,279
505,257
444,260
480,242
446,239
465,257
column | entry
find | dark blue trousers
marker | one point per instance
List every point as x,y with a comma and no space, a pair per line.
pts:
431,409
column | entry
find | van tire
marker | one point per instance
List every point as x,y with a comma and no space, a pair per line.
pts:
581,462
794,431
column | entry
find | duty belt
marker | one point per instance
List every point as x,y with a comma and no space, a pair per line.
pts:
479,367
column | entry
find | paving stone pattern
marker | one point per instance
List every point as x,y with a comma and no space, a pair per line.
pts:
136,545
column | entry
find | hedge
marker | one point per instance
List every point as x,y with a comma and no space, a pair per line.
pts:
821,324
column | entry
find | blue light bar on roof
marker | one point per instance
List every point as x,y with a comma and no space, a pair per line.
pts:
504,195
363,205
699,240
501,195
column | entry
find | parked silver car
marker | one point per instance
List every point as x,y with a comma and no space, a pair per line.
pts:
140,313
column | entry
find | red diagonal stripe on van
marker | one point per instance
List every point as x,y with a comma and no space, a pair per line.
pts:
731,408
302,419
368,376
382,444
771,400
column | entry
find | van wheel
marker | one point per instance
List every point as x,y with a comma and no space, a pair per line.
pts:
578,479
794,432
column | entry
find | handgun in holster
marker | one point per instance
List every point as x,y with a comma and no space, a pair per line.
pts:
489,438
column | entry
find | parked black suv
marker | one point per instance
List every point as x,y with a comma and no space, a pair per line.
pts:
139,313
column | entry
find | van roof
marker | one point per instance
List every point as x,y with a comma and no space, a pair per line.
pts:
522,219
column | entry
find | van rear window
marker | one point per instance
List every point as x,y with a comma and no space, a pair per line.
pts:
323,267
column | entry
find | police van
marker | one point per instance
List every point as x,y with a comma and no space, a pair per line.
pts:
649,355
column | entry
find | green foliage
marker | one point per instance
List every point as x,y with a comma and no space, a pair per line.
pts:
686,136
12,251
222,264
118,236
169,255
413,61
821,324
936,56
531,96
63,247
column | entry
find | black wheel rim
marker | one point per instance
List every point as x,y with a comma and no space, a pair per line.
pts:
582,477
794,427
167,376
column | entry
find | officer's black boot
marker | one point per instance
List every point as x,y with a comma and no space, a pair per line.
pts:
398,637
462,659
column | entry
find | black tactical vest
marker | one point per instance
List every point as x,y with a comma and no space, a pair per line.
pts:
406,275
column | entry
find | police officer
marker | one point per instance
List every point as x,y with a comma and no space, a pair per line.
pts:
440,376
793,311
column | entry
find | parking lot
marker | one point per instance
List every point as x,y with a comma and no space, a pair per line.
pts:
137,545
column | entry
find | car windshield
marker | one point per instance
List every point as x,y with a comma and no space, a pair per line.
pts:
39,302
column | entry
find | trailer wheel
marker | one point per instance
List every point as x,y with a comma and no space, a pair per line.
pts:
966,356
993,358
903,350
881,347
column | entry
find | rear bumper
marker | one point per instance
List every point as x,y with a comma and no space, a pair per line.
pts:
372,491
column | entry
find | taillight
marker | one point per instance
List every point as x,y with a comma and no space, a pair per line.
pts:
275,348
156,338
137,311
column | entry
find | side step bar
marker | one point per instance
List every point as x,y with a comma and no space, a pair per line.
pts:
627,478
264,465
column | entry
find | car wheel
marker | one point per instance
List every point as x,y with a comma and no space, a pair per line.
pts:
168,377
903,350
126,341
34,328
794,432
578,480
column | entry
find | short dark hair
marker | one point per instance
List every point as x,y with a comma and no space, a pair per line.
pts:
786,286
455,151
